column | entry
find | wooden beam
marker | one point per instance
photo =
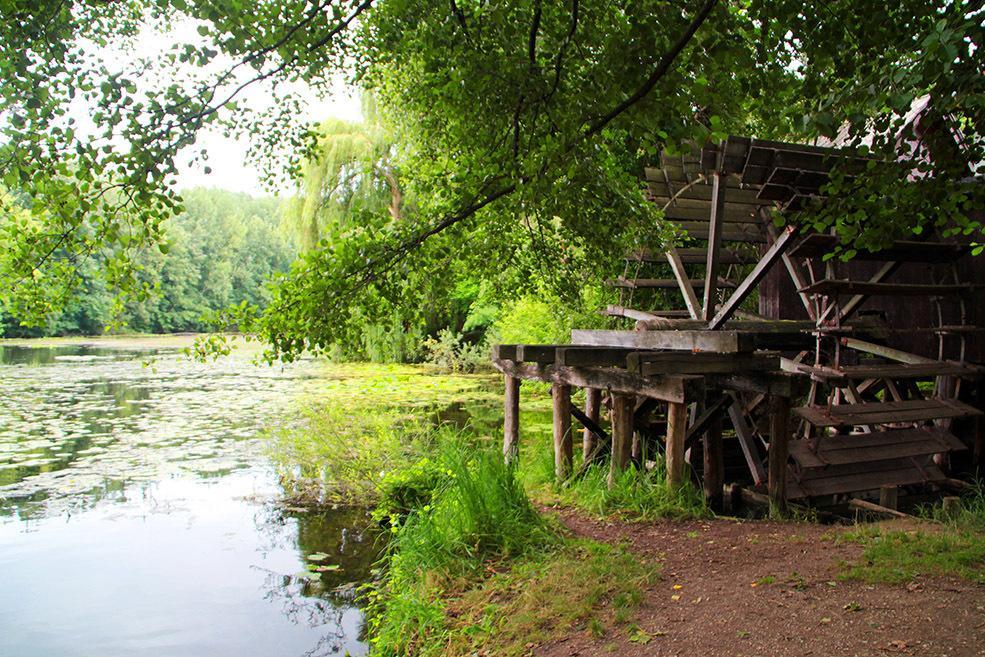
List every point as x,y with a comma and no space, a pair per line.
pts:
853,304
688,340
879,509
511,419
593,433
755,276
563,448
536,353
714,461
676,432
889,497
714,244
656,363
667,388
747,441
779,452
504,352
622,435
793,269
884,351
592,356
684,282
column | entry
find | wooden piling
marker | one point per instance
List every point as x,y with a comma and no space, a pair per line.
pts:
714,464
676,432
622,434
779,452
889,497
593,398
563,447
511,419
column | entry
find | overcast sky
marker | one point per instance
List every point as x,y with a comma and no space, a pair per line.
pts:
227,157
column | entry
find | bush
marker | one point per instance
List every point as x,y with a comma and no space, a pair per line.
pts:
449,352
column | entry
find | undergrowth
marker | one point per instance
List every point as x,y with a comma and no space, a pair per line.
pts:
477,568
950,544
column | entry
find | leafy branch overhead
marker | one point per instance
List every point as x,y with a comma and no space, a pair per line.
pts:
511,135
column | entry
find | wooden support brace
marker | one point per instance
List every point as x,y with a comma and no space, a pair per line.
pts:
563,447
593,398
676,432
691,301
714,244
714,463
511,419
622,434
747,441
779,452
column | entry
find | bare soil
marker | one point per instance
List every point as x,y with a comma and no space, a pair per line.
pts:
754,588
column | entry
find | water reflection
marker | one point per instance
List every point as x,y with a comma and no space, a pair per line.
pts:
137,514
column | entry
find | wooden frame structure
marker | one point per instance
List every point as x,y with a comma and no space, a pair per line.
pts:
824,405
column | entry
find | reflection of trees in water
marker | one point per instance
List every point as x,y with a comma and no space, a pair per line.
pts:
309,603
323,600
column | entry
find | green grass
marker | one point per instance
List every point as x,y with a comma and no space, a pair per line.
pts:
951,546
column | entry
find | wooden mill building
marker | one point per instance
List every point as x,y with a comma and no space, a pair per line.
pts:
796,375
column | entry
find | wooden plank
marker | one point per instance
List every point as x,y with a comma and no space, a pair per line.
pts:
536,353
730,232
818,245
840,377
884,351
659,363
676,432
714,461
778,451
879,509
667,388
504,352
905,473
592,356
563,447
912,410
876,446
638,315
593,433
754,277
717,341
747,441
622,435
684,283
658,191
847,309
832,287
511,419
743,215
661,283
694,256
715,227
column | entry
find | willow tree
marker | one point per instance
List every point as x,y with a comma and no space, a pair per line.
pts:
349,171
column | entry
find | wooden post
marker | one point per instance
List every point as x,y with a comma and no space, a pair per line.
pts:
716,221
714,464
779,452
563,448
676,432
593,398
978,445
511,419
889,497
622,434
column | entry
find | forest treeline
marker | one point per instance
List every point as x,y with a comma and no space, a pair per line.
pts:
219,252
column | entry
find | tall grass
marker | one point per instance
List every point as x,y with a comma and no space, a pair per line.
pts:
478,515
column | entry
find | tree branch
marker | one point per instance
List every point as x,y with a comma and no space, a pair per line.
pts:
661,69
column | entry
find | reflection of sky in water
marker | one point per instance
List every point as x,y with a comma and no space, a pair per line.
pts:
190,558
79,420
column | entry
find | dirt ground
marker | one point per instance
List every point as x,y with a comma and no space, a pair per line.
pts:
734,588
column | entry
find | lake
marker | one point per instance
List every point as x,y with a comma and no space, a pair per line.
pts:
140,514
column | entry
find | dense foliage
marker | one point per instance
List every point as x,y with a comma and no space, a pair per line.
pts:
220,252
520,131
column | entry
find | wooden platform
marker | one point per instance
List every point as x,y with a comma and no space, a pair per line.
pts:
876,446
914,410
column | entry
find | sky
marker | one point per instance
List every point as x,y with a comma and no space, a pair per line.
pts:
227,157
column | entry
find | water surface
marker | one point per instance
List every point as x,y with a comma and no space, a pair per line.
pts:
139,515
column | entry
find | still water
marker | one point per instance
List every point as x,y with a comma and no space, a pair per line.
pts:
139,515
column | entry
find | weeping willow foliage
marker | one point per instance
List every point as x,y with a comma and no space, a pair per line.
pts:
350,171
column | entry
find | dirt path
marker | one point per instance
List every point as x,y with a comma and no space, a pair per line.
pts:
761,589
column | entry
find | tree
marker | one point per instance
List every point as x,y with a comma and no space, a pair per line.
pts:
522,125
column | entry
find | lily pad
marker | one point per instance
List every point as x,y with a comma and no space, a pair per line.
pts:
317,556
